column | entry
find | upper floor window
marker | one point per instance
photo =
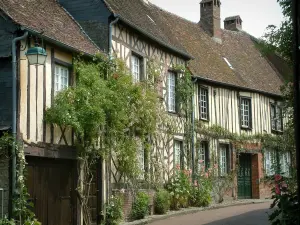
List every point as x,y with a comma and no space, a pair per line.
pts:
203,103
171,91
136,68
61,79
276,118
246,116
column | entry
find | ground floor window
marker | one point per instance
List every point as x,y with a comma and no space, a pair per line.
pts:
203,155
277,162
178,154
223,159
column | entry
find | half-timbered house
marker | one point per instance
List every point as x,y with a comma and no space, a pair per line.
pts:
49,150
236,87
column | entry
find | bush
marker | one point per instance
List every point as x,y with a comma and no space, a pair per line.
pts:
140,206
201,190
161,202
5,221
180,189
114,211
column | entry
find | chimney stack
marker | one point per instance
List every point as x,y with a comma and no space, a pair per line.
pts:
233,23
210,18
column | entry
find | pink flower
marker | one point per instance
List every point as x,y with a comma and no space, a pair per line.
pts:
190,171
278,177
206,175
284,185
195,183
201,161
216,166
277,189
190,180
178,166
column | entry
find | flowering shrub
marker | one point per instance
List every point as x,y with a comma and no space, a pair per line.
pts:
161,202
180,188
202,187
114,211
285,204
140,206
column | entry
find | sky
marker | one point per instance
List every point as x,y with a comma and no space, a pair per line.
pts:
256,14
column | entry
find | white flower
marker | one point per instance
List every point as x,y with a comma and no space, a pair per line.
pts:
122,191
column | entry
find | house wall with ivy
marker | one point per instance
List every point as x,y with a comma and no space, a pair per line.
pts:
4,184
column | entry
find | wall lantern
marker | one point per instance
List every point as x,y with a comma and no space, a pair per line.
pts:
36,56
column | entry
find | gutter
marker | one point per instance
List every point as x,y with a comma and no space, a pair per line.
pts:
193,130
237,87
110,34
14,114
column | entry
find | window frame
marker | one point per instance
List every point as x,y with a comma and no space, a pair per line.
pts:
175,101
66,68
227,159
285,164
205,89
140,75
248,99
275,118
203,146
181,156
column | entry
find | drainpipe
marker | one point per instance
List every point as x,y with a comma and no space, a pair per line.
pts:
110,34
193,130
14,113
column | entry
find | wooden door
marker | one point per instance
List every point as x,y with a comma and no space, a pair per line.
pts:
244,177
51,187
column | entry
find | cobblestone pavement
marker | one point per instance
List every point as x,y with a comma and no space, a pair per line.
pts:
254,214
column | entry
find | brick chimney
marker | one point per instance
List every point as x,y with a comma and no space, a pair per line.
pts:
233,23
210,19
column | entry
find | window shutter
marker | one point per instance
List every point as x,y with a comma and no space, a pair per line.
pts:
250,113
142,69
177,96
207,159
228,156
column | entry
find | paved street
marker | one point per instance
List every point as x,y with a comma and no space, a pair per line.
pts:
254,214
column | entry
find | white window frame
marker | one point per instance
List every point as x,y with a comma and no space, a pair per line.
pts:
135,68
269,162
171,91
201,154
61,78
203,103
141,157
177,152
285,163
245,112
223,160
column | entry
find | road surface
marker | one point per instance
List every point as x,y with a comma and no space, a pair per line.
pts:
254,214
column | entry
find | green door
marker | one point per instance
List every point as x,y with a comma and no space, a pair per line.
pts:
244,177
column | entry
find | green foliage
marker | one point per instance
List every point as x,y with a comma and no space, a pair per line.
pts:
280,39
161,202
114,211
140,206
180,188
6,221
6,141
285,204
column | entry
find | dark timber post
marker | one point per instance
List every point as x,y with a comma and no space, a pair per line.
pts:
296,54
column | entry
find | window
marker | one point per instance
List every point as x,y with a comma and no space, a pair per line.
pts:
285,163
269,159
246,112
223,159
136,68
171,91
141,157
203,155
276,118
203,103
61,79
178,153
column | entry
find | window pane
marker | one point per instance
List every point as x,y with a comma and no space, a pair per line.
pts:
177,151
61,78
279,118
135,67
201,155
203,98
171,92
273,119
223,160
245,112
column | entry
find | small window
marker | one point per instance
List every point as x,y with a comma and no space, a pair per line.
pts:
285,163
171,91
61,79
276,118
203,103
136,68
141,157
246,116
223,157
178,157
203,155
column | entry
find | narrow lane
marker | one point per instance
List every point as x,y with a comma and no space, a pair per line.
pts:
254,214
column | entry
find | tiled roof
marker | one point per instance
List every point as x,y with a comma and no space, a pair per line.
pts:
50,19
146,17
250,69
